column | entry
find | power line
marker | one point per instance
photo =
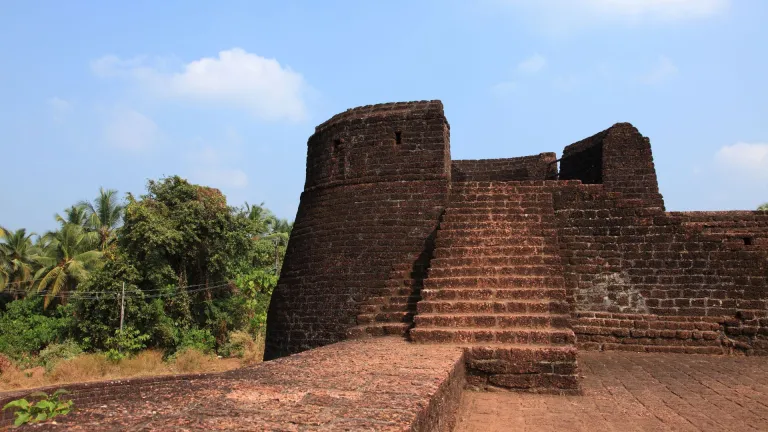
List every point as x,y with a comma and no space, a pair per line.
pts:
96,295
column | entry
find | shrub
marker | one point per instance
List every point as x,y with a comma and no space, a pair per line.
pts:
242,345
46,408
25,329
125,343
198,339
57,352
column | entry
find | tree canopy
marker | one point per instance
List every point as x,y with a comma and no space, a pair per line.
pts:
190,267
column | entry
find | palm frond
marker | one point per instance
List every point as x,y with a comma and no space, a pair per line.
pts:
58,285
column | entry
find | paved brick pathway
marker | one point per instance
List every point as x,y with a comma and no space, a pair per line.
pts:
636,392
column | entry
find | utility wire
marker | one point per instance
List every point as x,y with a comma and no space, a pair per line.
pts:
95,295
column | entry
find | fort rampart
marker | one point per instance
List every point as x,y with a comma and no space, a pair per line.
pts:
637,277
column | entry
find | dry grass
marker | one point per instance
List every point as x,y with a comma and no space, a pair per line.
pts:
96,367
252,349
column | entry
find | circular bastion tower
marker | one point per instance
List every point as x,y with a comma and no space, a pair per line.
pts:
376,185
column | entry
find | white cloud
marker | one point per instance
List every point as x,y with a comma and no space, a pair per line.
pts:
662,71
664,9
59,108
559,15
532,64
746,159
504,88
235,78
130,130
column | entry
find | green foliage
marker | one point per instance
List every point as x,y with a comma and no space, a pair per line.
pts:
26,329
199,339
103,216
125,343
236,346
68,258
763,207
194,270
44,409
17,260
255,291
56,352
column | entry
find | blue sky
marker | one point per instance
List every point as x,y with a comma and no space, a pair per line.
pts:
107,93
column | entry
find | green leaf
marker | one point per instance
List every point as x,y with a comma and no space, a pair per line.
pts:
41,416
60,392
38,394
21,418
18,403
45,405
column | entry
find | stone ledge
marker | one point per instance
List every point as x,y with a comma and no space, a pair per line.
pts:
373,384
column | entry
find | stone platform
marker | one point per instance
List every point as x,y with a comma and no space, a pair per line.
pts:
382,384
625,391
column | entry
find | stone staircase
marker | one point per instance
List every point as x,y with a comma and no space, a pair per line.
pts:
391,309
495,286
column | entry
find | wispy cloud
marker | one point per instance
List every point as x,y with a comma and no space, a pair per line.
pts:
532,64
744,159
663,70
504,88
235,78
127,129
59,107
215,162
557,16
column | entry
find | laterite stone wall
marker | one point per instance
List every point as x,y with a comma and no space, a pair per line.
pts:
377,181
540,167
637,277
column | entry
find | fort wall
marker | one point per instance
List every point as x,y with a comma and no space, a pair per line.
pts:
539,167
636,277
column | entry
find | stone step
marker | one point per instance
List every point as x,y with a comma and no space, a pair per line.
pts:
520,270
459,335
385,317
502,320
494,282
496,261
378,329
537,306
494,294
507,251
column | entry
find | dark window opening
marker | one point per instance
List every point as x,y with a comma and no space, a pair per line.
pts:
398,137
747,241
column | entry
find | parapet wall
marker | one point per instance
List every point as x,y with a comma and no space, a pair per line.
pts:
643,279
539,167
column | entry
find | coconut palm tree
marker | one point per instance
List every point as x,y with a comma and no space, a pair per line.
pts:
69,255
104,215
75,215
17,259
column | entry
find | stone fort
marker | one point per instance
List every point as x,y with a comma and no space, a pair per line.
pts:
485,274
521,261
